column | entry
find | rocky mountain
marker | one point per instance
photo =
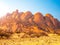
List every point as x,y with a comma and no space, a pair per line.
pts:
26,22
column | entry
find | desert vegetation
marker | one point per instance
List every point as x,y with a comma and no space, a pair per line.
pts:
52,39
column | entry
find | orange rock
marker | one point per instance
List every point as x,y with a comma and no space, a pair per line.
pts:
29,23
38,17
25,16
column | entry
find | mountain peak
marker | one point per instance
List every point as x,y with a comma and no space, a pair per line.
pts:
48,15
29,23
38,13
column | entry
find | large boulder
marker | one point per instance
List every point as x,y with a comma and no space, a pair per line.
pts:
51,21
38,18
25,16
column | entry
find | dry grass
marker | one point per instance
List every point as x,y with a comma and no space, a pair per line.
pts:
43,40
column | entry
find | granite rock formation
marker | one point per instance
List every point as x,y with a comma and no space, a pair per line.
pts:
26,22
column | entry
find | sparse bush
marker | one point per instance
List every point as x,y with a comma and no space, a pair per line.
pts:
4,34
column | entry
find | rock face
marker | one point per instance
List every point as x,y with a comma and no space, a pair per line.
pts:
28,23
52,22
38,18
25,16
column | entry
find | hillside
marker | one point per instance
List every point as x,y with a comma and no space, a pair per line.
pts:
30,24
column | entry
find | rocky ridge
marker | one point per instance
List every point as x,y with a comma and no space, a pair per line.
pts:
28,23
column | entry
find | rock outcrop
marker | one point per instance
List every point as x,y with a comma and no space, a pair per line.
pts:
26,22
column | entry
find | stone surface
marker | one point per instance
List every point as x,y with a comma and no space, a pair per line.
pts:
29,23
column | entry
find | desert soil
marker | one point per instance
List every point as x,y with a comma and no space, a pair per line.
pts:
43,40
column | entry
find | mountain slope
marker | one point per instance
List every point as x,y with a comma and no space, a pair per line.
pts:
18,22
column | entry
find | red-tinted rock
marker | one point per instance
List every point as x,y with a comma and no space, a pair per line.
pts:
38,18
52,22
28,23
25,16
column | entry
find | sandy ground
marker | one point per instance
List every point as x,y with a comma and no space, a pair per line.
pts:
43,40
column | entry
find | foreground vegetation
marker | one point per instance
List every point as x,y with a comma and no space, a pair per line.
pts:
52,39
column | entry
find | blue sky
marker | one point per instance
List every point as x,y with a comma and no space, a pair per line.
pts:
43,6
